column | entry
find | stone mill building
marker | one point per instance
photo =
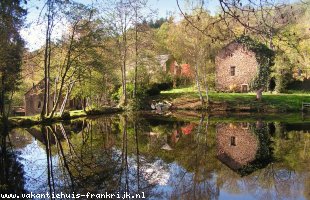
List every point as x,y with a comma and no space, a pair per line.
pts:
34,98
237,65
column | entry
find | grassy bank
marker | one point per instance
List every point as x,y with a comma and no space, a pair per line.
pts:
34,120
188,99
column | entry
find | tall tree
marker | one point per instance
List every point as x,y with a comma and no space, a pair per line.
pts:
138,18
50,4
74,46
125,18
11,47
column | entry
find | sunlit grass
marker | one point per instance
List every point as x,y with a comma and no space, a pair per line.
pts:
77,113
281,102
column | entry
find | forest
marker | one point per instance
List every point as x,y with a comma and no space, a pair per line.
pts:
119,52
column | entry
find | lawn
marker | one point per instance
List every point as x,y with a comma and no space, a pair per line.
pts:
235,101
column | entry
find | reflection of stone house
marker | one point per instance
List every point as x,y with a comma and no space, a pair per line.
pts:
34,100
236,66
59,130
237,146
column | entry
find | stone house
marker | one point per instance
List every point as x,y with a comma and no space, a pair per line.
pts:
236,67
35,96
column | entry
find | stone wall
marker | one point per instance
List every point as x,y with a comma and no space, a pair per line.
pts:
34,103
245,63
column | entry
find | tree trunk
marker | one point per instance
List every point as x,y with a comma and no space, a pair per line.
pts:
259,94
198,84
67,67
2,103
47,59
124,58
84,104
206,83
63,106
136,51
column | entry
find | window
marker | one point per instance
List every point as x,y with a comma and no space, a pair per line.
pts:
232,141
232,70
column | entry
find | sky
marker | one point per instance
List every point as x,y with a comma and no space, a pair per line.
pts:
33,32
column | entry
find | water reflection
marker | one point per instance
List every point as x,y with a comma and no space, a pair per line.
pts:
200,158
11,171
243,147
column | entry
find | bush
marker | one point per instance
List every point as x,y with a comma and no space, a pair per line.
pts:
282,82
153,90
299,85
102,110
66,115
233,88
165,86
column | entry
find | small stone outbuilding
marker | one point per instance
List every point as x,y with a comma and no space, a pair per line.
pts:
34,99
35,96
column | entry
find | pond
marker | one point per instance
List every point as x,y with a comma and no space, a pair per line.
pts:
152,156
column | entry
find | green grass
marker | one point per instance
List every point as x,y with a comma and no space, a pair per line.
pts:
34,120
271,102
77,113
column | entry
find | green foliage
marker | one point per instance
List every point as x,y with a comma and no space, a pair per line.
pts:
143,92
282,72
264,57
264,154
102,110
11,46
298,85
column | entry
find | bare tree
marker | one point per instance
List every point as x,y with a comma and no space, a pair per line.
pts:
50,4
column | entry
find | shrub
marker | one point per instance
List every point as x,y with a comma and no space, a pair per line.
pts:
299,85
65,115
164,86
233,88
153,90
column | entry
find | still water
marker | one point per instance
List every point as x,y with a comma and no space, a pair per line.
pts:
179,156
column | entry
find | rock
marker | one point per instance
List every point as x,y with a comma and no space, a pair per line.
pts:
166,147
161,106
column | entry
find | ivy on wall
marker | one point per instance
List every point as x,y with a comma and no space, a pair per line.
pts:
264,155
265,59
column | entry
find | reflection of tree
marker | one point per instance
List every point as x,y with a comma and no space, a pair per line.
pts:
97,158
194,152
63,161
111,154
11,170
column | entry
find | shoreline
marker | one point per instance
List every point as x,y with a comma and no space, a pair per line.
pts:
223,103
27,121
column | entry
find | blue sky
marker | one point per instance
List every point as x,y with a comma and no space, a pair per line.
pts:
33,33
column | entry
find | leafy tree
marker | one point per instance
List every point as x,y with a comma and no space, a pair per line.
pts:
11,47
74,47
189,45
